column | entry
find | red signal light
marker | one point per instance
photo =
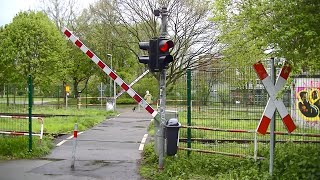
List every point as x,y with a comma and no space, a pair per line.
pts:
164,46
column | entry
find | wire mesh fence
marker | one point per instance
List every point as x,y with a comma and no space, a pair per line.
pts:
225,109
14,112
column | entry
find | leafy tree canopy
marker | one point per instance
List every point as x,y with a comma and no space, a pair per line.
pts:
287,28
32,45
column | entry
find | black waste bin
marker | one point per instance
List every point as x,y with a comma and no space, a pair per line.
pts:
172,136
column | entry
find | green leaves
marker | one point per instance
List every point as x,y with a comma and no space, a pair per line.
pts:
32,45
249,27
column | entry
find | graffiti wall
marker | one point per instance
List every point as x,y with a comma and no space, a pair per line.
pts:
307,101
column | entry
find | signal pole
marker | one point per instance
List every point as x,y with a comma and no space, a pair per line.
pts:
162,84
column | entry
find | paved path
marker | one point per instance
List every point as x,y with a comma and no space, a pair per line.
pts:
110,150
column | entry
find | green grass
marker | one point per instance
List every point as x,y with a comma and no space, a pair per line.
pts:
85,118
291,162
17,147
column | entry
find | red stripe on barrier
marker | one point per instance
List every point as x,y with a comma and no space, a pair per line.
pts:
285,71
75,134
78,43
67,33
101,64
261,71
264,124
149,109
137,98
113,75
287,120
89,54
125,86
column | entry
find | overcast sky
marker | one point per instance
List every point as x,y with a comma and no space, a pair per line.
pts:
9,8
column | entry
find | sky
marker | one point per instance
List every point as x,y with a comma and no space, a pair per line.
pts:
9,8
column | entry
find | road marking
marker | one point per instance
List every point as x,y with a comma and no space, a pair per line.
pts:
70,137
65,140
143,141
60,143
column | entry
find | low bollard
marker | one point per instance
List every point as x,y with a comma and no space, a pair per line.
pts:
75,135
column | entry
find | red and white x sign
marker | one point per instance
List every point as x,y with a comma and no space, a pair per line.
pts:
273,102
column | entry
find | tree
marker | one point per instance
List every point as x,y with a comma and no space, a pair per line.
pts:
78,69
133,21
31,45
287,28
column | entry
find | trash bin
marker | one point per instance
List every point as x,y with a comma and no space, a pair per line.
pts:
172,136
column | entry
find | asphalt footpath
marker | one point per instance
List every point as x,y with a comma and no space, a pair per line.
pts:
110,150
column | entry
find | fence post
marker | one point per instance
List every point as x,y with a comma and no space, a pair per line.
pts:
58,97
189,109
7,94
255,151
30,110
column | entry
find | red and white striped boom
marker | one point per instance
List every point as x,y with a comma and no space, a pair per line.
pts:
110,73
132,83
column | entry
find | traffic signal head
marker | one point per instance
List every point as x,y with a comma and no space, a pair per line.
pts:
164,57
144,46
150,59
159,56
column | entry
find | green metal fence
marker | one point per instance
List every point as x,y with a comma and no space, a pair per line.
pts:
16,111
220,110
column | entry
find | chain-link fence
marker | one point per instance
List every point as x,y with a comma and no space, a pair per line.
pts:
225,107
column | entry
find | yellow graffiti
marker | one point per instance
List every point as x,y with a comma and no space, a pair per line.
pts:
308,103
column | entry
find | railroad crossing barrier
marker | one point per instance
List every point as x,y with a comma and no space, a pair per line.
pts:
112,74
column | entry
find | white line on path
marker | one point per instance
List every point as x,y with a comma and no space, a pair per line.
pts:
143,141
60,143
68,138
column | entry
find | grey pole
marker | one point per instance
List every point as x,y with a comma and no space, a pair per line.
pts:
164,22
110,83
114,95
101,86
272,123
162,85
